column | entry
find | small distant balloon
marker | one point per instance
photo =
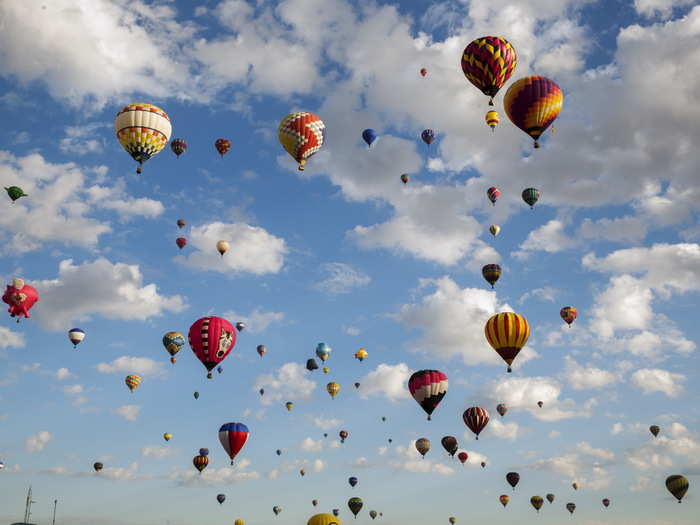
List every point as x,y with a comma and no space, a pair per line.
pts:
76,335
240,326
495,229
369,136
261,349
655,429
404,178
222,146
222,247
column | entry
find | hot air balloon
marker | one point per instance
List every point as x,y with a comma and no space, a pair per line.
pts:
353,481
606,502
428,387
483,464
568,314
2,465
15,192
97,466
181,242
372,514
512,478
476,418
167,436
221,498
311,365
323,351
537,502
423,446
222,247
501,408
369,136
240,326
355,505
493,193
463,457
488,62
132,381
222,146
323,519
383,418
211,339
314,502
289,405
357,385
20,297
233,437
507,333
333,388
532,104
531,196
495,229
179,146
428,136
196,395
173,343
336,512
301,134
571,507
276,510
491,273
575,485
390,441
404,178
343,435
326,369
492,119
655,429
677,485
302,472
181,223
76,335
143,131
504,499
325,435
540,403
261,349
203,451
550,498
423,71
239,522
200,462
361,354
449,443
219,368
452,520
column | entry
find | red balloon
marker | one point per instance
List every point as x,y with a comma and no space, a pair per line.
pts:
423,72
20,297
212,339
222,146
181,242
476,419
463,457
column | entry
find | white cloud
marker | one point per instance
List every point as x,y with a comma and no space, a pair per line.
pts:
546,293
10,339
625,304
144,366
289,382
585,465
72,390
390,381
327,423
128,412
623,229
213,477
256,321
64,373
157,452
38,441
341,278
83,139
311,445
656,380
660,8
361,462
583,378
251,249
352,330
676,445
113,291
549,238
453,319
501,430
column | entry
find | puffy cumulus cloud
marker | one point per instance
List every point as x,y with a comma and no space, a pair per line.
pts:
387,380
546,293
676,445
10,339
622,230
658,8
64,373
288,382
325,423
157,452
453,319
311,445
37,442
256,321
83,139
251,249
144,366
212,477
549,238
361,462
341,278
73,390
128,412
585,465
625,304
411,461
524,393
112,473
56,31
584,378
110,290
650,380
501,430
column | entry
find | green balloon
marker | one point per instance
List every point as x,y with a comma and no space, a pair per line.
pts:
15,192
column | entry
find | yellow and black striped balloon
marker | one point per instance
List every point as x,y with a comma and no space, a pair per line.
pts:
677,485
507,333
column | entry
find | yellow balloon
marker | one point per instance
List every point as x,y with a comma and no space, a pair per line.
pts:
333,389
132,381
143,130
239,522
324,519
361,354
495,229
167,436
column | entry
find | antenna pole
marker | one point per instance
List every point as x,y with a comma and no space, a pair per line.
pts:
55,502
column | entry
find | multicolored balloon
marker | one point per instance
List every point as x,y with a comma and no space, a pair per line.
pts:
492,119
495,229
404,178
537,502
493,193
179,146
323,351
132,382
173,343
502,408
428,387
240,326
143,130
476,418
211,339
428,136
507,333
76,335
167,436
532,104
423,71
531,196
233,437
361,354
261,350
568,314
491,272
289,405
200,462
301,134
355,505
423,446
222,146
181,223
504,499
488,62
276,510
372,514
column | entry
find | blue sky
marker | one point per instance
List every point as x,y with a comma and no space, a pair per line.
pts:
346,254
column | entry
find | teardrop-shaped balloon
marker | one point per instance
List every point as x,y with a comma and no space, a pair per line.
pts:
532,104
428,387
301,134
476,418
488,62
677,485
423,446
